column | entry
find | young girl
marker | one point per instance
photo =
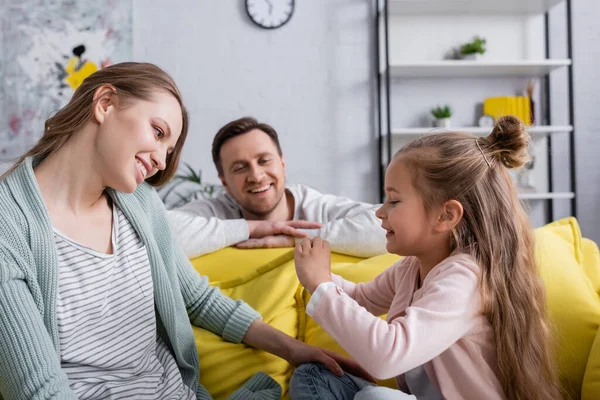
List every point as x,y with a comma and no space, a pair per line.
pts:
466,307
96,299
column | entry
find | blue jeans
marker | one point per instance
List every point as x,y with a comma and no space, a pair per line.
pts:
314,381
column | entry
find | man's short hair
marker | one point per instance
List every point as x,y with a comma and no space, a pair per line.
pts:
237,128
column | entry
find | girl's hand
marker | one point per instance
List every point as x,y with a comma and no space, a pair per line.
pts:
313,262
303,353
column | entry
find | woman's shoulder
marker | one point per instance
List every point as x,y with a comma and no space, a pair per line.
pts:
144,198
13,213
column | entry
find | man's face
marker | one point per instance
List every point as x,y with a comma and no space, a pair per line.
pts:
253,172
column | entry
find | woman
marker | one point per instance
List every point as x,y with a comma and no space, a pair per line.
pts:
94,297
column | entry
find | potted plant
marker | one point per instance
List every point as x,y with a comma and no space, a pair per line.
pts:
473,49
442,116
193,189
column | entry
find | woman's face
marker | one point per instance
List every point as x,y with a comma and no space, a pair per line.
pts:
134,138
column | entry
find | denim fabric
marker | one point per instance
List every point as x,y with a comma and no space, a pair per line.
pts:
382,393
314,381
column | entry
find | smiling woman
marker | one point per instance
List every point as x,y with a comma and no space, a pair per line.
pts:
91,281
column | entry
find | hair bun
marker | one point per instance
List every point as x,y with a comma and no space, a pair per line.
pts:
509,142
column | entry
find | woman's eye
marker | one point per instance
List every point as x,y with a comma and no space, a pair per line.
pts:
159,132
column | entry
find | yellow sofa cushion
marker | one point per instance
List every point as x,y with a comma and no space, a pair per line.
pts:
590,389
230,264
265,278
591,263
573,305
591,380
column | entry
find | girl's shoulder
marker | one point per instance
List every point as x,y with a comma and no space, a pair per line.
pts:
403,268
456,264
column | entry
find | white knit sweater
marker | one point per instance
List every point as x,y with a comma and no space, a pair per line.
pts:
351,227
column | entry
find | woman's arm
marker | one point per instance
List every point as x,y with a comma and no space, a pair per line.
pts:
263,336
29,364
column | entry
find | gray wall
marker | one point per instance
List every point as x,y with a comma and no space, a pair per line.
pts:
586,57
311,79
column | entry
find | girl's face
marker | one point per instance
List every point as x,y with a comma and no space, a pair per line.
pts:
134,139
410,230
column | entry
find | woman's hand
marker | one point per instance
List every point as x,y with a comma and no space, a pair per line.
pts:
303,353
313,263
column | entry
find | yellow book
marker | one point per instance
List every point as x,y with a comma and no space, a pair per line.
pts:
508,105
527,110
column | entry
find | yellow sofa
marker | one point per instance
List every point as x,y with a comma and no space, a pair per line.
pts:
265,278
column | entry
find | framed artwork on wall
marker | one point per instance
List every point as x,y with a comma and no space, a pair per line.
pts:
47,49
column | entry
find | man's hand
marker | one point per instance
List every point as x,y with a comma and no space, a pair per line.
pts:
313,263
267,242
260,229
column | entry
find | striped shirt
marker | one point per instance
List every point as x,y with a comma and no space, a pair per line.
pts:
107,324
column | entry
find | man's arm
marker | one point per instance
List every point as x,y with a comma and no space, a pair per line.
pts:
350,227
199,235
206,225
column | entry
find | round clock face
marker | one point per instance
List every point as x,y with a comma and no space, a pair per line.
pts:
270,14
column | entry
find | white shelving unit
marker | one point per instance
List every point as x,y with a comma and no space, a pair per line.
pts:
403,69
475,7
546,196
475,69
475,130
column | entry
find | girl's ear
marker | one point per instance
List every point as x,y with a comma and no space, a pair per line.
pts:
450,215
104,98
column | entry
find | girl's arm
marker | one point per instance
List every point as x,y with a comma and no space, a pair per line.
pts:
446,312
312,259
376,295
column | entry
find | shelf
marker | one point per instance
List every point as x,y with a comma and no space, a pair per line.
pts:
476,68
546,196
475,130
470,7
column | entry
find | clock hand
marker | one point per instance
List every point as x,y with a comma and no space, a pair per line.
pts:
270,7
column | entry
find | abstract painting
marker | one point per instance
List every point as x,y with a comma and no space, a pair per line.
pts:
48,48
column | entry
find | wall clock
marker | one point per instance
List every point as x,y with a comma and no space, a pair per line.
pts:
270,14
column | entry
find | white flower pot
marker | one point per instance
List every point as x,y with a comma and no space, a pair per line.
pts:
473,56
442,123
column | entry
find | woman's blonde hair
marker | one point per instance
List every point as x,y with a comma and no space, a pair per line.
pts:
495,230
132,81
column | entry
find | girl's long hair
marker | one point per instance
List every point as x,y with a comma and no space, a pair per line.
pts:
495,230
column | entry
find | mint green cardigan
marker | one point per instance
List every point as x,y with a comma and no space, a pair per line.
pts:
29,344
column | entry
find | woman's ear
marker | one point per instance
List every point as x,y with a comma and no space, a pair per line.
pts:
104,98
450,216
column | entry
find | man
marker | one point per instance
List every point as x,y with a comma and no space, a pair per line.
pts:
258,210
